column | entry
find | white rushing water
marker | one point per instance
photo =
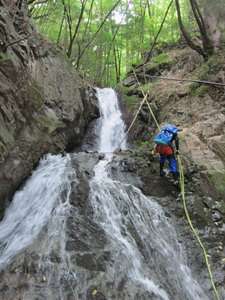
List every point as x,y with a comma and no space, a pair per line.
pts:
146,260
119,206
112,134
32,206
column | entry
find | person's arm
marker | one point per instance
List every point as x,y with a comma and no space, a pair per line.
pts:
176,141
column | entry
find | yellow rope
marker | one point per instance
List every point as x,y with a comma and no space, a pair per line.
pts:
195,233
182,188
134,119
153,115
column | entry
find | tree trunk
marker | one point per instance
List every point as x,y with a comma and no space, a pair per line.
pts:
73,37
185,33
214,12
206,41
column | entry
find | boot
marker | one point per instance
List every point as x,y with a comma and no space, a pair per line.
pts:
176,178
161,172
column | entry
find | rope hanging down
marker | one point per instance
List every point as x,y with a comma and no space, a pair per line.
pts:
195,233
182,188
219,84
182,185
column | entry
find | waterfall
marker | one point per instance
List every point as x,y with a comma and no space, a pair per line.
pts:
32,206
126,215
112,133
113,238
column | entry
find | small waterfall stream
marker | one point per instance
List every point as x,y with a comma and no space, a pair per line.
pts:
123,212
32,207
113,242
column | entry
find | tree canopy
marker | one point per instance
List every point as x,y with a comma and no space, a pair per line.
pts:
103,38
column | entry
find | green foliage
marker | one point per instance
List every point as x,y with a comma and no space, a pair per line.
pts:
123,40
146,87
145,148
199,91
162,58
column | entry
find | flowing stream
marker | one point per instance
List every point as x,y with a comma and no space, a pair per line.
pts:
119,245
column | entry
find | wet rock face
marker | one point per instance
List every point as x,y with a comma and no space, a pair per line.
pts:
207,213
45,106
70,259
73,255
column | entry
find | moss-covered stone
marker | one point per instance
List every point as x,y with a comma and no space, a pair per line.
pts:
129,100
4,57
5,135
36,95
124,90
207,71
3,151
146,87
199,91
217,179
162,61
49,121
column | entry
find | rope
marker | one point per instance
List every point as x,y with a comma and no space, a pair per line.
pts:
182,188
134,119
195,233
219,84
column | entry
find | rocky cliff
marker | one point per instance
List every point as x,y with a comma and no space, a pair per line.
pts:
44,105
199,110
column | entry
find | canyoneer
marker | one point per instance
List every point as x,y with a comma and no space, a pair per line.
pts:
167,146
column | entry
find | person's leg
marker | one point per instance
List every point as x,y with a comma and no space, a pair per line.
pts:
173,166
162,159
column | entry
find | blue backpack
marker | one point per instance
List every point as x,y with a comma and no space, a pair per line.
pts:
166,134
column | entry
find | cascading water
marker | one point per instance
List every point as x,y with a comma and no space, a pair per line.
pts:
32,207
101,239
112,134
158,270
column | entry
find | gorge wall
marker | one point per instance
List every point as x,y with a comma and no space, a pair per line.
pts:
44,105
196,108
199,110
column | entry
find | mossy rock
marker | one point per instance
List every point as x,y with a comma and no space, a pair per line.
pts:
124,90
3,151
35,95
130,101
49,121
146,87
199,91
207,71
5,136
162,59
4,57
217,180
160,62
